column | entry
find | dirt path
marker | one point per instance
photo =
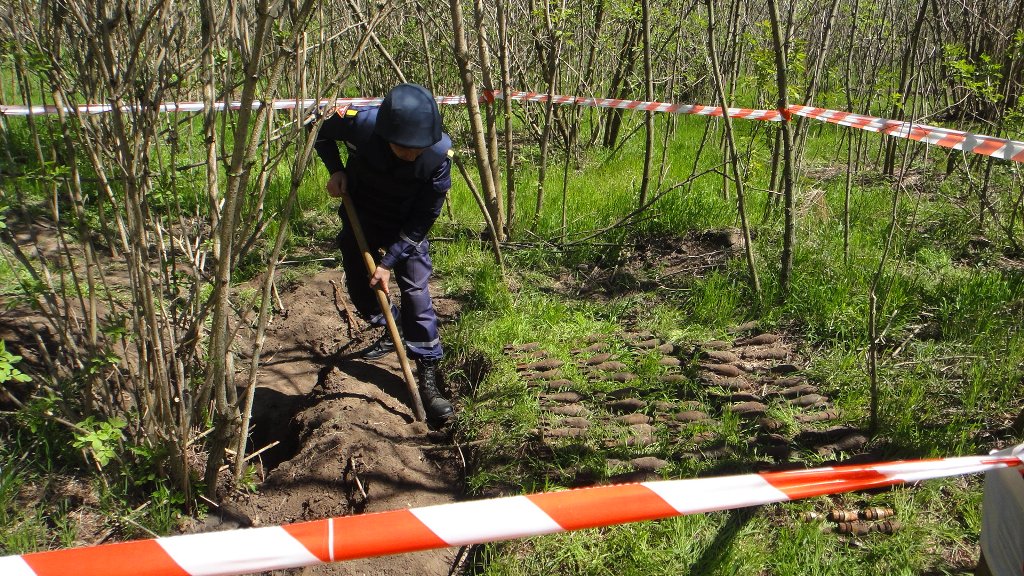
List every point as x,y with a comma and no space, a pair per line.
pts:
348,442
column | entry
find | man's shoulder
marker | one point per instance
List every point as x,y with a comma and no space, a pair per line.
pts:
435,156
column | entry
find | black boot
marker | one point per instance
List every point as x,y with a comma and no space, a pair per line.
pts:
382,347
437,408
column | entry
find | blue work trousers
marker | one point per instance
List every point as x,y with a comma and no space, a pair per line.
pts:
416,316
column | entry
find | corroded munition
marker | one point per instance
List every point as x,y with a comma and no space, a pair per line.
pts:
722,369
690,416
766,353
734,384
621,377
565,433
559,384
597,359
635,418
808,400
648,463
759,340
548,364
672,378
597,347
669,361
798,390
783,369
720,356
528,347
621,393
575,422
876,513
552,374
611,367
563,397
716,345
770,424
666,348
843,515
568,410
748,408
846,444
626,405
817,416
648,344
663,406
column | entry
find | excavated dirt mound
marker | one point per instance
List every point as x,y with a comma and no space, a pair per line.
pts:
339,432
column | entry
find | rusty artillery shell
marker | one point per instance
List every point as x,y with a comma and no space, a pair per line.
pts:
720,356
568,410
808,400
783,369
856,528
663,406
723,369
669,361
690,416
811,516
638,336
575,422
528,347
553,374
770,424
558,384
626,405
715,345
843,515
620,393
597,359
595,347
846,444
766,353
593,338
759,340
611,367
666,348
635,418
621,377
648,463
886,527
549,364
798,390
735,384
817,416
565,433
563,397
748,408
672,378
789,381
876,513
648,344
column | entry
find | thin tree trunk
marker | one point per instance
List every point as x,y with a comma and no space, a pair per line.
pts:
782,81
645,181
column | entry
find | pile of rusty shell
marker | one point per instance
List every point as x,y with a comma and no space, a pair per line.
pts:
876,513
843,515
730,370
861,528
719,356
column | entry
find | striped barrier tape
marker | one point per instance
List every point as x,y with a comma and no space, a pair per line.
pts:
476,522
945,137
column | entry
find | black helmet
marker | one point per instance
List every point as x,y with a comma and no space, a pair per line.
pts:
409,117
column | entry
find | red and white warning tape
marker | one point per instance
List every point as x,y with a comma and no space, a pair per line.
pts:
936,135
396,531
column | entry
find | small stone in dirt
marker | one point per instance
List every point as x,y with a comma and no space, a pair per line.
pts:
722,369
766,354
611,367
808,400
748,409
759,340
672,378
548,364
648,463
599,358
621,377
635,418
783,369
568,410
563,397
626,405
669,361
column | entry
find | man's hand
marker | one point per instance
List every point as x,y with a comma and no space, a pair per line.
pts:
337,184
381,278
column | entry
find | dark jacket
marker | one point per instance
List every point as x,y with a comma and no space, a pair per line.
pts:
399,201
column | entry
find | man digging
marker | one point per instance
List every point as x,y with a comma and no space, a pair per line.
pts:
397,176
